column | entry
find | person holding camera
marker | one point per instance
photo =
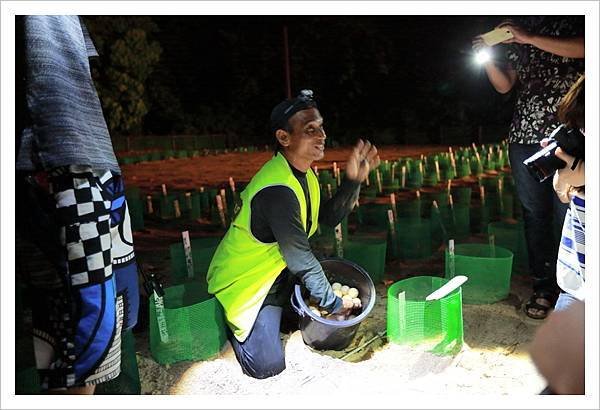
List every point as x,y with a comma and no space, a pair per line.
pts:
544,59
569,183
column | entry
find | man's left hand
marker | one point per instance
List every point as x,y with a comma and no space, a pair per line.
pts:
362,159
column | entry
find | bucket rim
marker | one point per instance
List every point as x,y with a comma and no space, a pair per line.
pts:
345,323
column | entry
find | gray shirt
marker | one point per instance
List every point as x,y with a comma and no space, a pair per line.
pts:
63,122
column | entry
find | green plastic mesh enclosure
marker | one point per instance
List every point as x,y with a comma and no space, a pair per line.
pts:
375,215
203,250
463,167
450,222
27,380
136,213
194,325
167,209
488,269
369,253
128,381
408,209
436,324
511,236
461,195
413,238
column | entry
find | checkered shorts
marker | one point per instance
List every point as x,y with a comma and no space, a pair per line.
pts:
78,307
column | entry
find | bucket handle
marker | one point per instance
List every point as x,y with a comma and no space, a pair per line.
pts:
296,308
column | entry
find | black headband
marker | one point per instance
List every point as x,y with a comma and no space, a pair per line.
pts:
286,109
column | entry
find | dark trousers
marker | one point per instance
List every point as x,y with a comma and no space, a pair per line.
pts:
261,354
543,215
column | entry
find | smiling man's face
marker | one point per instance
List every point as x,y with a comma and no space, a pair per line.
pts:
307,139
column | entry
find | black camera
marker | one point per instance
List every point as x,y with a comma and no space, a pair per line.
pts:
544,163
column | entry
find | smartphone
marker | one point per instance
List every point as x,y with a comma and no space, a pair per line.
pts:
496,36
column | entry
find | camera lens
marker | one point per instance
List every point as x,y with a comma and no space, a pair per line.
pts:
544,163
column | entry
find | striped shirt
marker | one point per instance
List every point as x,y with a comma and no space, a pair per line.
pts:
570,265
62,121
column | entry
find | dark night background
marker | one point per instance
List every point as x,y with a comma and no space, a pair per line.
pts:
393,79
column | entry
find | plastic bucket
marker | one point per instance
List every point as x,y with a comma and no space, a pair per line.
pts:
487,268
369,253
195,325
412,320
326,334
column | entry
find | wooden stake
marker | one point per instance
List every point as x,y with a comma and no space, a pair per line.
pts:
187,249
224,199
149,204
482,194
391,222
418,194
232,184
221,211
393,201
437,169
379,187
201,189
177,210
329,194
188,200
403,176
452,263
164,189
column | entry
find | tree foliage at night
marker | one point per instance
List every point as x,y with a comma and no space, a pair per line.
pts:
395,79
127,59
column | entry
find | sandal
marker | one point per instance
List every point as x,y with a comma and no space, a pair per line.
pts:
540,304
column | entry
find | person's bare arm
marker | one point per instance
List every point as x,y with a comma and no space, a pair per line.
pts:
502,77
571,47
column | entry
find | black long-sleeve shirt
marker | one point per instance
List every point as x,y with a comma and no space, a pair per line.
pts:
275,217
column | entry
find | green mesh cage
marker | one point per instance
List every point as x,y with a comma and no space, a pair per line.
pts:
463,168
368,191
369,253
411,320
194,323
375,215
413,238
450,222
511,236
462,195
136,213
488,269
430,178
166,206
203,250
27,380
408,209
128,381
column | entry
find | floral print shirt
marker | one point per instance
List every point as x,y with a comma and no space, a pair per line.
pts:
544,78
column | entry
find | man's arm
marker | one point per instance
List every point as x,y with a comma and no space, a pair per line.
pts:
502,77
335,209
280,208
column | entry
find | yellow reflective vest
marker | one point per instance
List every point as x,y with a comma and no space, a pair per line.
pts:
243,268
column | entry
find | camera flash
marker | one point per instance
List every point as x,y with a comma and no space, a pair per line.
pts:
482,56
